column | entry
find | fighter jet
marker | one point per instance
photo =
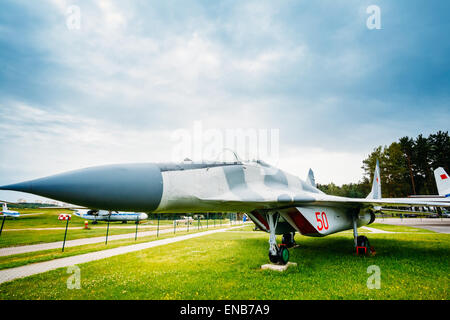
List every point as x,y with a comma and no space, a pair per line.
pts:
276,201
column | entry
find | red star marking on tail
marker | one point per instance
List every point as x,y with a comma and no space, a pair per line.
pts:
443,176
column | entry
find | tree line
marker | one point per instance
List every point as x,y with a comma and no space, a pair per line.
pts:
406,168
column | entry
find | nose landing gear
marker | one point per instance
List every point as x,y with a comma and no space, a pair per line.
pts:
277,253
281,257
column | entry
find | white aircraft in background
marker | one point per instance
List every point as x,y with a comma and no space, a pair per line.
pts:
442,182
104,215
443,186
9,213
185,220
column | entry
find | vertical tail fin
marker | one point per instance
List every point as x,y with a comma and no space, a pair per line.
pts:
442,182
310,179
4,207
376,184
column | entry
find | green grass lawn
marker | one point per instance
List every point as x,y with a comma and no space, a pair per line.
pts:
25,237
227,266
45,255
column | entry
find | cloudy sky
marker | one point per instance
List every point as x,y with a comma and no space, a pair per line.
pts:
117,88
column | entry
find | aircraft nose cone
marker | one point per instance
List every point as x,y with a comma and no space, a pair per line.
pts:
143,216
130,187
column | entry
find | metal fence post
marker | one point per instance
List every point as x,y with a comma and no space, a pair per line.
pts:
157,232
137,223
3,222
65,234
107,229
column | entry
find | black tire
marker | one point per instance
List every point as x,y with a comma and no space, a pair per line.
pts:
363,245
288,240
273,258
283,255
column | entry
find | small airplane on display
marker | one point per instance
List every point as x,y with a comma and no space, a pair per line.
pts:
104,215
276,201
9,213
185,220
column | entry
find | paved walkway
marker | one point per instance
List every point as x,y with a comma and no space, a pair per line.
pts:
35,268
80,228
436,224
79,242
373,230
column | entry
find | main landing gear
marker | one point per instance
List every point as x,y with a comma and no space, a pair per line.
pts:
278,253
362,244
288,239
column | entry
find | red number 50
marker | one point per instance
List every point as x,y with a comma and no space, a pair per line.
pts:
323,220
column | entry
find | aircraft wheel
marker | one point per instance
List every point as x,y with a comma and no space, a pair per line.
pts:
362,245
288,240
273,258
283,255
94,222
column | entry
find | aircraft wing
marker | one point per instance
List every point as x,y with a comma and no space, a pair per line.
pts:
54,207
285,200
7,202
394,202
65,207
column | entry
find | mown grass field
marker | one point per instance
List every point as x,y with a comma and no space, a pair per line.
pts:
17,260
414,265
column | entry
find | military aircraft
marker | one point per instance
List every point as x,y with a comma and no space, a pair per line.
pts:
104,215
276,201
